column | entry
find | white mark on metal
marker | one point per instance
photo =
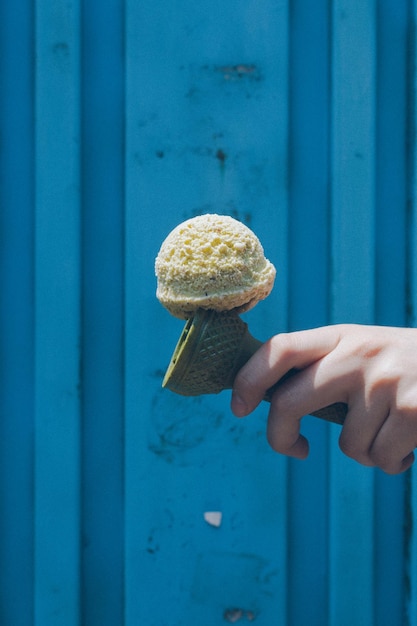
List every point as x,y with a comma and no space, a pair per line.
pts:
235,615
213,518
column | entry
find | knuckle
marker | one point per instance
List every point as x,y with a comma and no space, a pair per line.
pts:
281,401
386,460
248,390
274,442
382,460
246,381
283,344
347,446
242,383
350,448
389,466
406,409
391,469
282,444
280,432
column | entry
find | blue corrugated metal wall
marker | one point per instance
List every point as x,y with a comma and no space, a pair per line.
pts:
118,120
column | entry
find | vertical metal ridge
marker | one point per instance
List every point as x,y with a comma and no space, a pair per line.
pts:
102,194
308,270
411,520
353,288
57,315
16,313
393,25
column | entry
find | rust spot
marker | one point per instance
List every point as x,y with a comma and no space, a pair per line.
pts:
222,156
61,49
240,71
235,615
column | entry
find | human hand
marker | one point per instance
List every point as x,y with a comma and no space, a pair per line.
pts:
373,369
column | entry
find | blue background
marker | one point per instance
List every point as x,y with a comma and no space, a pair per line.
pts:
118,120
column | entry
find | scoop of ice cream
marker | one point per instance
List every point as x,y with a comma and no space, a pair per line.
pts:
212,262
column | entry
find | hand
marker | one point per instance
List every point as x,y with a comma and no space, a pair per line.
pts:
373,369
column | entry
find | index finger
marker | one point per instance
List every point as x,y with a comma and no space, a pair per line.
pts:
275,358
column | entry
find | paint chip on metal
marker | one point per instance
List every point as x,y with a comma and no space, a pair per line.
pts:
235,615
213,518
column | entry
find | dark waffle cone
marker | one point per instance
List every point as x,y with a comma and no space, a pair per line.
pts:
211,350
209,353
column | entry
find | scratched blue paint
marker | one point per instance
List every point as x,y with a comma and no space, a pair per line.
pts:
118,120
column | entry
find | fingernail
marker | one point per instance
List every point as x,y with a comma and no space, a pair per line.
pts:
239,406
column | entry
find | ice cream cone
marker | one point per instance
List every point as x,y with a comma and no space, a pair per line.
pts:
212,348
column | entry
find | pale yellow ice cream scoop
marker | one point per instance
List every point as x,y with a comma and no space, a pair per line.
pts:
212,262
